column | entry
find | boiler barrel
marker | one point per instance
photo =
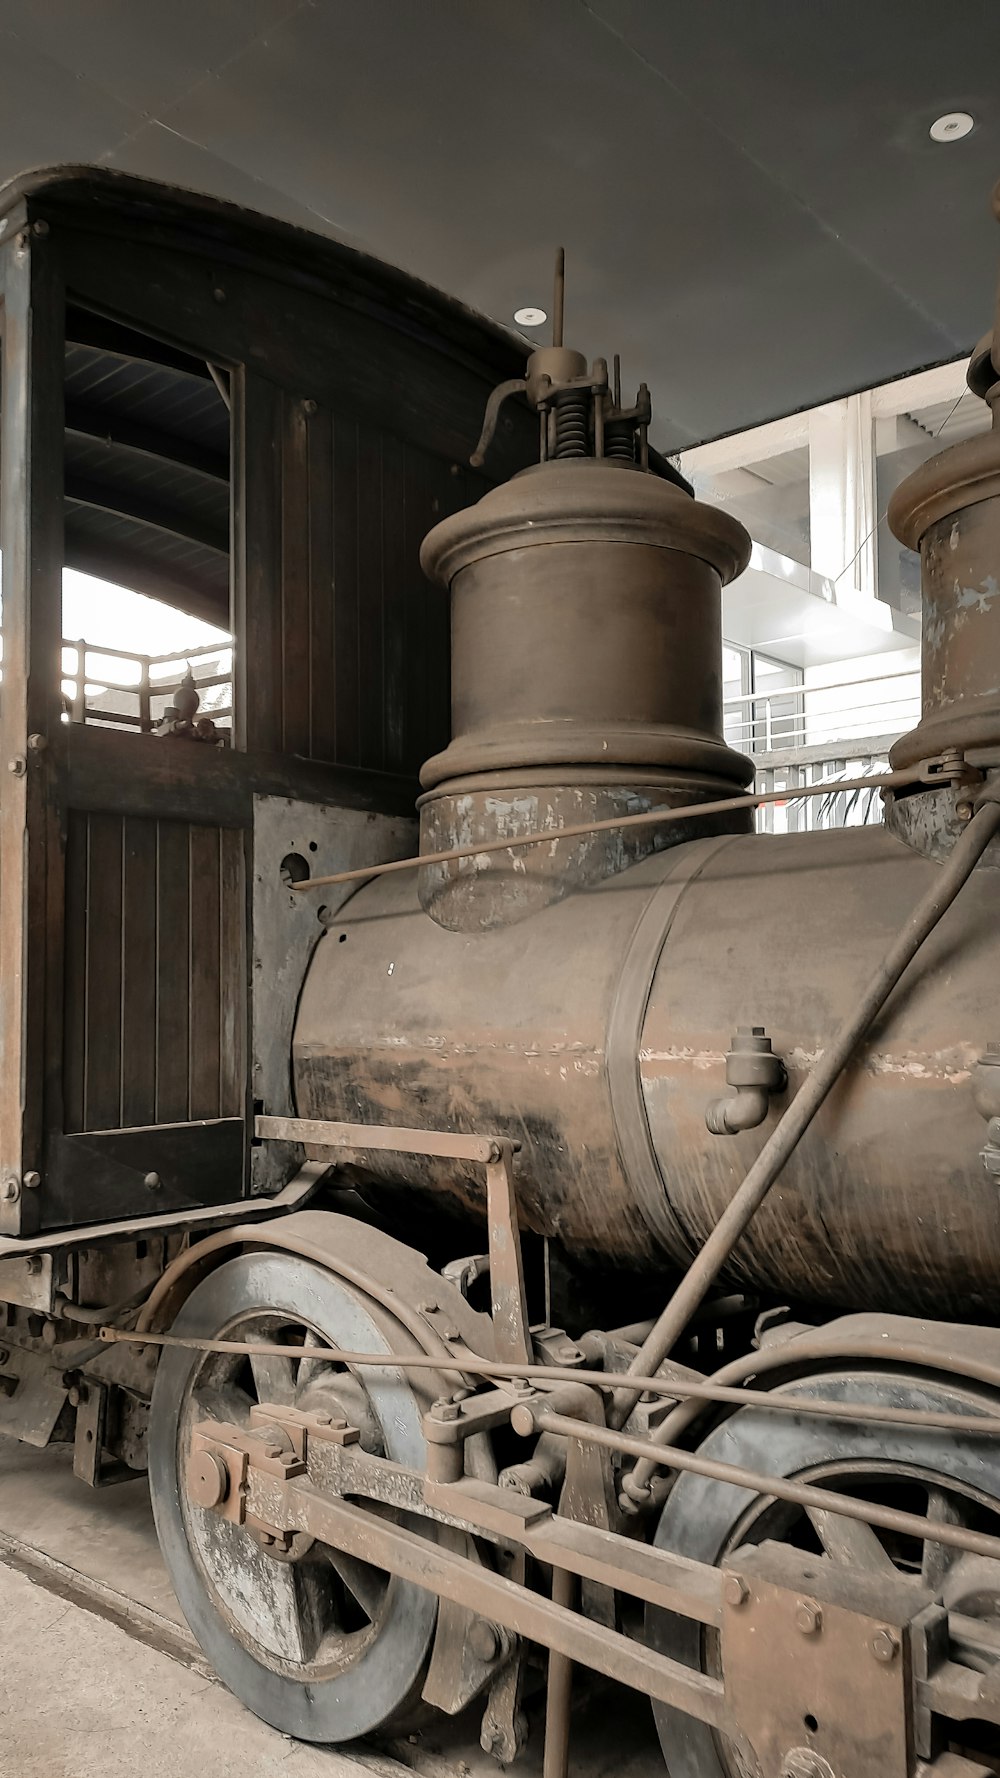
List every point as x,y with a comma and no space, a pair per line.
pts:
595,1033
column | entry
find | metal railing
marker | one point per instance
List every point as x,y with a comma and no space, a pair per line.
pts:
810,715
806,735
117,688
839,808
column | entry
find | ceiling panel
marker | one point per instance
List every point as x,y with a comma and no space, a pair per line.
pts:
753,211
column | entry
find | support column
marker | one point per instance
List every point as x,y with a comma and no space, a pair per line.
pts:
842,497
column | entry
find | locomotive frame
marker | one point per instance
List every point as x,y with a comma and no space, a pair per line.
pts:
154,1175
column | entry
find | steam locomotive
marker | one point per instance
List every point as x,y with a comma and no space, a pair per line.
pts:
556,1234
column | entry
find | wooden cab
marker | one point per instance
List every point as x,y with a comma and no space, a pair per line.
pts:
258,426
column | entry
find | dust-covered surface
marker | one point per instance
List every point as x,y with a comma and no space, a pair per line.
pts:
102,1678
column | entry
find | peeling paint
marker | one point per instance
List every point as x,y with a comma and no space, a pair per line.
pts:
951,1065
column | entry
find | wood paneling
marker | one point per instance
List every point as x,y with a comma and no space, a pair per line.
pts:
154,1016
352,642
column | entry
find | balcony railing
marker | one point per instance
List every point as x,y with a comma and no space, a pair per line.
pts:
116,688
825,734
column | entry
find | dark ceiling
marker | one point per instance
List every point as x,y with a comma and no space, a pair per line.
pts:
753,211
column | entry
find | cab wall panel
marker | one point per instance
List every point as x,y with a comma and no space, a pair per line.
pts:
355,667
155,988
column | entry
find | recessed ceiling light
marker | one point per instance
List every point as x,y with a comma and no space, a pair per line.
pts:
530,317
952,126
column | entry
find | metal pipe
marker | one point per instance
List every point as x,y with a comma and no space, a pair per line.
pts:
559,1689
752,799
559,297
742,1110
741,1209
527,1419
458,1359
805,1350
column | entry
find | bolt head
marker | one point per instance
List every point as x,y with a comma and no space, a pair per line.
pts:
32,1180
207,1478
885,1646
152,1182
736,1590
484,1640
808,1617
522,1420
963,811
446,1410
11,1190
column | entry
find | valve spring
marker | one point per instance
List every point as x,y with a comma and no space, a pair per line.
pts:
619,442
573,424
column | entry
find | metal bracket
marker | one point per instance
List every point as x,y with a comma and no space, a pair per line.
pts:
800,1635
90,1439
495,1153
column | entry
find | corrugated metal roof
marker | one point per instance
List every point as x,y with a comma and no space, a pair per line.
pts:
147,467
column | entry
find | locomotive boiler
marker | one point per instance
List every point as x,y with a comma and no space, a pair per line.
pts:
558,1237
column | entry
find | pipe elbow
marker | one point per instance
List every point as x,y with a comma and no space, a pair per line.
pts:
735,1112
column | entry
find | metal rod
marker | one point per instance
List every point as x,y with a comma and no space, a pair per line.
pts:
887,1518
645,818
220,381
450,1575
809,1349
559,297
467,1362
559,1689
743,1206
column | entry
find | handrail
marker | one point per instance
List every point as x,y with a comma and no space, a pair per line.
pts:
751,697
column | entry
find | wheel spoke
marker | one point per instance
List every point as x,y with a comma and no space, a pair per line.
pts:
938,1557
365,1584
850,1542
229,1403
308,1367
274,1379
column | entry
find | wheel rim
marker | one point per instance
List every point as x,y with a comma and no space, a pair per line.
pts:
936,1475
319,1644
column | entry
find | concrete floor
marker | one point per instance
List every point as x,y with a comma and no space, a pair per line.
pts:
81,1698
102,1679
